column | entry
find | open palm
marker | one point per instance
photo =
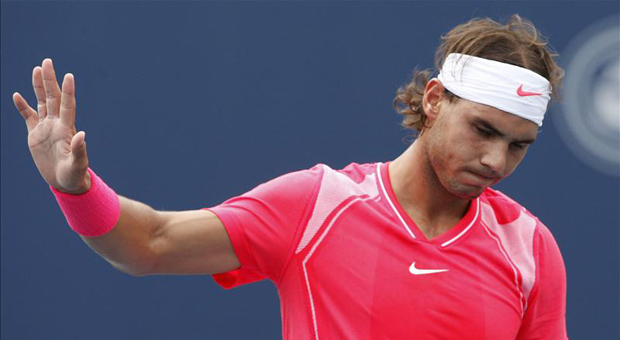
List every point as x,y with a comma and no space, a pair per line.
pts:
57,150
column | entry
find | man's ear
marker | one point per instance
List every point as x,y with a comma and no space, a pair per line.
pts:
433,96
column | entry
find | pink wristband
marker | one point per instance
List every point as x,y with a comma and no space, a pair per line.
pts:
92,213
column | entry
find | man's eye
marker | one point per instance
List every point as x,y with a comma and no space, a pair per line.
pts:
484,132
518,146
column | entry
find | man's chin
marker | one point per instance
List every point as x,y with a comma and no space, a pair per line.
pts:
468,192
470,196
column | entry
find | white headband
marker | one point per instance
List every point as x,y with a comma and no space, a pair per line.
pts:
506,87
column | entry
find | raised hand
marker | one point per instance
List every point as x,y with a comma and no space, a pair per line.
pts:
57,150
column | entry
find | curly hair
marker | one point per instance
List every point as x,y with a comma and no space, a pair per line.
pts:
518,43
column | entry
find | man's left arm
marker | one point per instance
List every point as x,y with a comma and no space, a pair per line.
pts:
545,316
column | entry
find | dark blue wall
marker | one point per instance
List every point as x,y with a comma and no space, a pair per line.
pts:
187,104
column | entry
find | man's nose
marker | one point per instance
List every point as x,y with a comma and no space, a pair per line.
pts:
494,158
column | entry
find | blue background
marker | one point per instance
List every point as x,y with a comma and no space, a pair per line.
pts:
186,104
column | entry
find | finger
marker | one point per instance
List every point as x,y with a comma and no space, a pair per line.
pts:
52,91
29,114
78,149
67,101
39,91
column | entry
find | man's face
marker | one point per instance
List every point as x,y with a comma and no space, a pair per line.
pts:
471,146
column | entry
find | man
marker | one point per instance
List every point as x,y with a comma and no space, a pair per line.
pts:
416,248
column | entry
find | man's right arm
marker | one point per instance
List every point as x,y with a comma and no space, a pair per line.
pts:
141,241
145,242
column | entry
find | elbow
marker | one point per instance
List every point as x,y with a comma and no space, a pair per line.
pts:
141,263
136,271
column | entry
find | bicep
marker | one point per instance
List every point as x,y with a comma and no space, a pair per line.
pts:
192,242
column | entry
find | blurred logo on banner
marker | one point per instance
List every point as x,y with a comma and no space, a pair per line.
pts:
590,119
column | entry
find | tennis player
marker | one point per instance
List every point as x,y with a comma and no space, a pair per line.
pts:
419,247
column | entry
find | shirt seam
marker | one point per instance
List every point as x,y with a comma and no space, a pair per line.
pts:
299,230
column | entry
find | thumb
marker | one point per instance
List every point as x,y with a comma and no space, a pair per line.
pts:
78,146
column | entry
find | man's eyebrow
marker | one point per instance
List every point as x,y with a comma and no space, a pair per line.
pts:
492,128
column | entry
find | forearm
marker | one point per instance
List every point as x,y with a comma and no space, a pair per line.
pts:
128,246
118,229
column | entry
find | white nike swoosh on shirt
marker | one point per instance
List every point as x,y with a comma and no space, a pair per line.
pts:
415,271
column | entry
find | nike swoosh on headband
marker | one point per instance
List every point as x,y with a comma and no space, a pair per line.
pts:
522,93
